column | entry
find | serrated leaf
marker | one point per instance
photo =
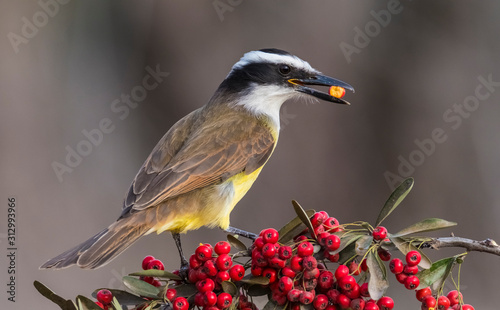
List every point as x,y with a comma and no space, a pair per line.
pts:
426,225
140,287
250,279
378,283
437,273
156,273
395,199
293,228
303,217
363,244
236,243
258,290
405,246
63,303
123,297
229,287
86,304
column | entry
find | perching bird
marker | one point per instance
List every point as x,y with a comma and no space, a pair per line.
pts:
209,159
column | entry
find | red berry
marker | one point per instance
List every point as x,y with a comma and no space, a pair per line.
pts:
325,280
467,307
285,284
421,294
256,270
384,255
286,271
410,270
309,263
342,271
180,303
385,303
306,297
455,297
413,258
317,219
222,276
396,266
209,298
205,285
357,304
270,235
146,260
209,268
237,272
354,292
269,273
379,233
279,298
333,258
363,290
296,263
371,305
224,262
412,282
322,238
224,300
156,264
310,284
259,243
171,294
343,301
203,253
333,294
443,303
332,242
305,249
222,247
285,252
100,305
401,277
194,262
311,274
104,296
276,262
331,223
346,283
268,250
319,230
429,302
293,295
320,302
354,268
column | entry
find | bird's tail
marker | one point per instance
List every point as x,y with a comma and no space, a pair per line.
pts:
103,247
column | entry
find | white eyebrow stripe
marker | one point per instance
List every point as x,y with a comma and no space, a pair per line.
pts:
259,56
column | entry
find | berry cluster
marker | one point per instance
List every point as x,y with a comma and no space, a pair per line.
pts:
104,298
149,262
406,273
452,301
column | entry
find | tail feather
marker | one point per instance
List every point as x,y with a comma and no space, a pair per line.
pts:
101,248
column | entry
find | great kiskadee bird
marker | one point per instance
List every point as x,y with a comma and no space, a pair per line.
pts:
209,159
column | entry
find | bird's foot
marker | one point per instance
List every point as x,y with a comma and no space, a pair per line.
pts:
184,270
240,232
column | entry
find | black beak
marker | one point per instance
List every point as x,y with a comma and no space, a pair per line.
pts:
320,80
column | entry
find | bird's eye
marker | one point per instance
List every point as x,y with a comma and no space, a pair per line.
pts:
284,69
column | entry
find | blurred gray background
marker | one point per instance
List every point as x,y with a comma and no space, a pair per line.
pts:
416,68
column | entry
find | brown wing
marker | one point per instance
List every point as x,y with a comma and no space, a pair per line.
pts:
193,155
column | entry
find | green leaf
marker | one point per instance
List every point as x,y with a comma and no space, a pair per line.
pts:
86,304
186,290
437,273
405,246
140,287
293,228
124,297
236,243
346,240
116,304
249,279
258,290
303,217
363,244
378,283
272,305
156,273
64,304
395,199
229,287
424,226
347,254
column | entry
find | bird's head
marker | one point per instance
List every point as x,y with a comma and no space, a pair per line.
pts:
262,80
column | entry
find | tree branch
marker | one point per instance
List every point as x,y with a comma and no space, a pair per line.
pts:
487,245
